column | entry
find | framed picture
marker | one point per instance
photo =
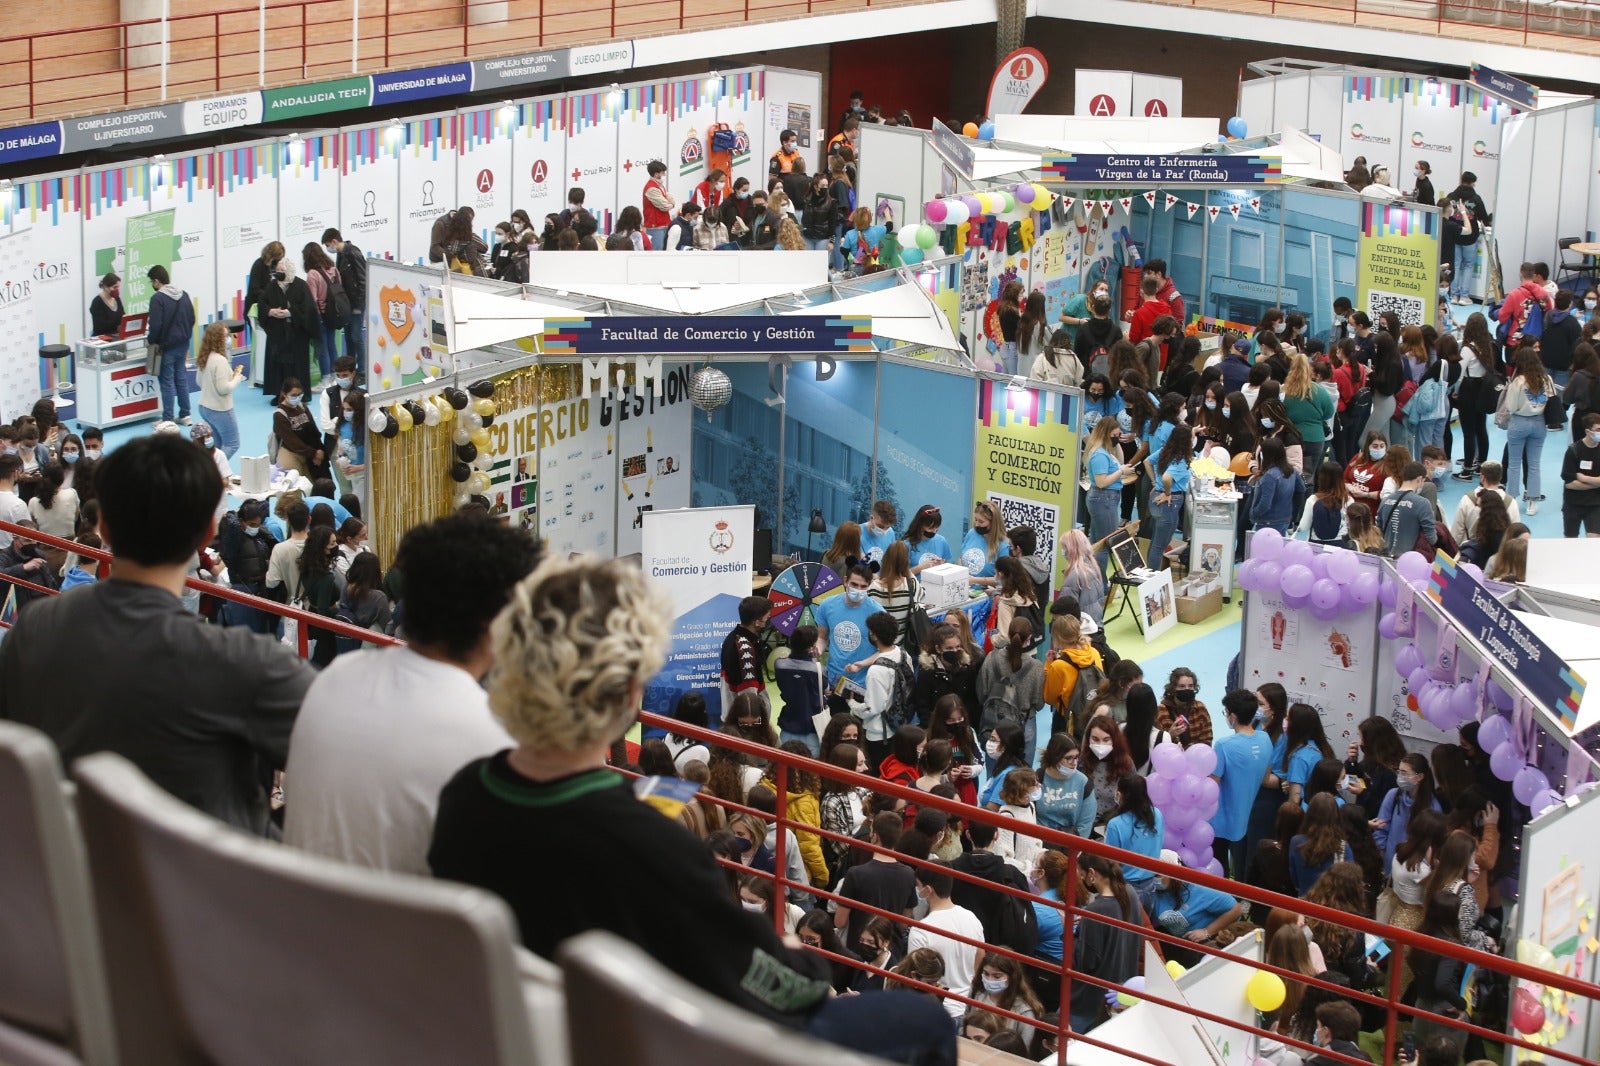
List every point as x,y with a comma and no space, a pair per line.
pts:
1158,610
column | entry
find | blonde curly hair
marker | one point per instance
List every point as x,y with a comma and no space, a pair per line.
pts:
575,640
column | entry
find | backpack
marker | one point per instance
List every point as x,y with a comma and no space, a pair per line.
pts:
1425,403
1528,321
899,712
337,315
1001,705
1016,923
1035,616
1402,399
1071,718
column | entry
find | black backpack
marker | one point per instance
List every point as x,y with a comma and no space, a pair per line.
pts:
899,712
337,314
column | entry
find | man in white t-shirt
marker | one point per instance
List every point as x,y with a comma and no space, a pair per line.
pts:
283,565
12,509
382,730
961,961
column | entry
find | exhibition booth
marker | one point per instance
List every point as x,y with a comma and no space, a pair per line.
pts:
1243,224
207,214
1535,162
1432,648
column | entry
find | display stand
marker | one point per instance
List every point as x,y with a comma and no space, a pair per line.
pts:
1212,532
113,386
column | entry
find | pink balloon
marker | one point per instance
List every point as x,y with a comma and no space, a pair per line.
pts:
935,211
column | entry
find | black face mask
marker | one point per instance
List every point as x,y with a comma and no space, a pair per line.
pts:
278,275
1183,695
953,658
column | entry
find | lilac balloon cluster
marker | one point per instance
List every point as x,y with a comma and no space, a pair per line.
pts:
1330,582
1435,693
1414,569
1509,762
1182,790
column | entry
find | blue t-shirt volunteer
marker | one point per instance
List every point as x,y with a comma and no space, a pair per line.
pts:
975,554
1242,761
1129,835
1101,463
1200,907
873,545
929,549
847,631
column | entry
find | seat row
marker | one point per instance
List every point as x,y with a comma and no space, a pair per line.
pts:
136,930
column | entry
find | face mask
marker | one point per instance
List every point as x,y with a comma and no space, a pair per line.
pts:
1267,423
1033,797
1066,769
854,597
345,382
995,985
502,237
951,657
1437,473
330,251
1405,783
294,401
867,950
1211,405
278,275
252,531
1260,719
1377,453
743,194
753,908
93,453
1590,304
1594,436
69,457
1183,695
1100,750
719,185
992,747
1279,327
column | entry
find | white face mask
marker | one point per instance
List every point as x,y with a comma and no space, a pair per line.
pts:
1279,326
1100,750
995,985
1590,304
93,453
1033,797
754,908
993,748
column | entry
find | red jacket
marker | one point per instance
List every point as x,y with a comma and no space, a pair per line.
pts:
1145,317
1348,378
892,769
655,217
1528,290
1174,300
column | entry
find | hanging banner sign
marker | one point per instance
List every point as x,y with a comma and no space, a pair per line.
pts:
701,558
447,80
1511,90
107,131
520,70
222,112
1017,80
1499,631
299,100
30,142
953,148
706,335
1082,169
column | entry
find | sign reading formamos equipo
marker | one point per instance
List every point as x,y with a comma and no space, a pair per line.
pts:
699,556
1027,461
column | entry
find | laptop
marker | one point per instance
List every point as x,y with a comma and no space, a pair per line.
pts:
1126,557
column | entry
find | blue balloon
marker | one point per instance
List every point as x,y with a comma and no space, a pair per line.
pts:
1237,127
986,131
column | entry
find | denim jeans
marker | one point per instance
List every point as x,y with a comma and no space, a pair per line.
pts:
819,244
1311,453
225,427
1465,266
1164,521
1104,509
658,238
1008,357
326,351
1430,432
174,381
1524,438
810,740
892,1026
355,338
836,260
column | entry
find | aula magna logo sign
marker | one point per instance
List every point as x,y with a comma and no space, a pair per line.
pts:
1358,132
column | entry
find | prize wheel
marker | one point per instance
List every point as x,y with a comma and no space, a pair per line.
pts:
794,591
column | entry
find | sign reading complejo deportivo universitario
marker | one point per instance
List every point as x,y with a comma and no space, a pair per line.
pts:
1513,645
707,335
1160,169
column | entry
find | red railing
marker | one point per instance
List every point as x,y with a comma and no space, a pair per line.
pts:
781,765
56,73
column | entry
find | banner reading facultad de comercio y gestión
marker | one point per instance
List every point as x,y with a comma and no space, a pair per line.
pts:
701,557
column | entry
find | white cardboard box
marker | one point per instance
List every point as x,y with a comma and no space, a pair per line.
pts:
945,585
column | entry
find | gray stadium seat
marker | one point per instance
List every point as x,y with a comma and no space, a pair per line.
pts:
226,950
53,1008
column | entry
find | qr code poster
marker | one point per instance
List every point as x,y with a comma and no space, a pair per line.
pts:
1042,518
1410,309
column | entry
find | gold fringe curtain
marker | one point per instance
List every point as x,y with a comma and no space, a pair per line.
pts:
411,472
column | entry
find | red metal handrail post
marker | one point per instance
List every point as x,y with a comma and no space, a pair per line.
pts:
780,852
1391,1024
1069,920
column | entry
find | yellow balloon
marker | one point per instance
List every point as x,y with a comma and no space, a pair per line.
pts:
402,417
396,361
446,412
1176,969
1532,953
483,406
1265,991
387,383
480,437
1041,197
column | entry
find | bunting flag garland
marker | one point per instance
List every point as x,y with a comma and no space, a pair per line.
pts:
1172,201
1127,205
1150,198
1192,208
1213,211
1255,204
1233,209
1105,208
1067,202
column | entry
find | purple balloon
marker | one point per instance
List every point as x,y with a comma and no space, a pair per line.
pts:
1348,601
1167,760
974,207
1529,782
1210,792
1181,818
1407,659
1297,553
1200,836
1386,626
1504,762
1464,704
1192,857
1474,569
1268,574
1186,791
1545,800
1297,578
1319,568
1494,731
1326,593
1245,575
1324,614
1296,603
1388,590
1266,544
1364,589
1170,837
1160,788
1499,696
1343,566
1416,680
1413,566
1199,760
1214,867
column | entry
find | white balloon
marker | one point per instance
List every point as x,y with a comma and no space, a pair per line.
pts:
431,417
470,419
376,420
462,435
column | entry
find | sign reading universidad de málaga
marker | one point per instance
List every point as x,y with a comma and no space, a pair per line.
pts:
707,335
1219,169
1502,634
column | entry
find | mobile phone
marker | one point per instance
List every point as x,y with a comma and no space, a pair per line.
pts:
1408,1048
1180,722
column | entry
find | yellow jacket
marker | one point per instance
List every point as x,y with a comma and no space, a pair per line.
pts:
803,807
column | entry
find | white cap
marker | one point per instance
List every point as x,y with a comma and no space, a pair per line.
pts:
1168,855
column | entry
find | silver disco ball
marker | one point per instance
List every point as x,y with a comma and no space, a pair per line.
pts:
710,389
